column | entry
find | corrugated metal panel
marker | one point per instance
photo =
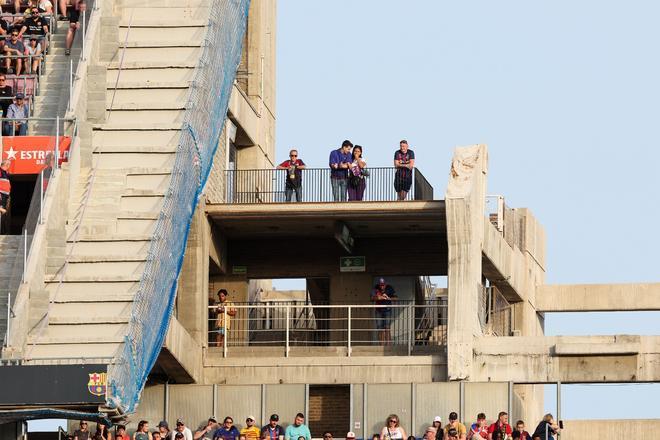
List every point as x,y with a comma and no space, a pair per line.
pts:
358,410
240,401
435,399
386,399
151,407
192,403
286,401
489,398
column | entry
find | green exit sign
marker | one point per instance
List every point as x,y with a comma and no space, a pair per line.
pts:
352,264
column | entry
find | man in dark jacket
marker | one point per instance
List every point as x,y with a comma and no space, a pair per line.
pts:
547,429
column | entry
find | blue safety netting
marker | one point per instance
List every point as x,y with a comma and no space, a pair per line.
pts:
204,118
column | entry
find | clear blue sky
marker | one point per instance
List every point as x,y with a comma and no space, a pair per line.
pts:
564,93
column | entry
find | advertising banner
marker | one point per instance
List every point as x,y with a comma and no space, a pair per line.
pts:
31,154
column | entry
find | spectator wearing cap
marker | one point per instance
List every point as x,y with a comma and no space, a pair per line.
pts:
206,431
251,432
479,430
18,112
164,429
227,431
383,295
297,429
430,433
142,431
350,435
183,429
82,433
437,425
272,431
456,426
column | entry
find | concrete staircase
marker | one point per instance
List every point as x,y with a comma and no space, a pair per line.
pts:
134,153
9,244
54,82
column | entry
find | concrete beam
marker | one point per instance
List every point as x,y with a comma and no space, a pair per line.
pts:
339,369
185,363
569,359
503,265
598,297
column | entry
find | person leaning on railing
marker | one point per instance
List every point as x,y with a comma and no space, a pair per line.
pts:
293,167
404,162
340,161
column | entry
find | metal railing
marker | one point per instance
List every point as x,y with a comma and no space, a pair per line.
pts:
62,127
316,185
299,324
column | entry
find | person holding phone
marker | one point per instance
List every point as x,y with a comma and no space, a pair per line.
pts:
547,428
340,161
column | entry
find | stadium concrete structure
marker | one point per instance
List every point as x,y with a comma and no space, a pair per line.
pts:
476,345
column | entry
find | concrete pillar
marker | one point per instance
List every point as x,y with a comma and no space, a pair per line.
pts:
194,279
465,204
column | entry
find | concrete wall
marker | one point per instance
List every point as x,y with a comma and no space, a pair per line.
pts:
615,429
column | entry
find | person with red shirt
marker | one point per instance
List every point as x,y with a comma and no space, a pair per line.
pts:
501,425
293,167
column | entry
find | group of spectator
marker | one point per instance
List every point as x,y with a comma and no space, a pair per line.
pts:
23,44
222,311
348,172
499,429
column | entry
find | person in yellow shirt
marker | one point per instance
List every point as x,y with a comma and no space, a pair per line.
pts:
251,432
456,427
222,327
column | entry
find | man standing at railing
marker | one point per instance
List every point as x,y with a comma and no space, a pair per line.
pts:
225,311
404,162
293,167
383,295
340,161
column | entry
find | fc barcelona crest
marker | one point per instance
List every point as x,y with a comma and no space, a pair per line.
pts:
97,384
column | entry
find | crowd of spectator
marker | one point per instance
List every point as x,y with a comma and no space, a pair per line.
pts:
24,43
499,429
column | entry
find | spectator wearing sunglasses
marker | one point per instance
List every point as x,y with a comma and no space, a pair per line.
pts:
293,167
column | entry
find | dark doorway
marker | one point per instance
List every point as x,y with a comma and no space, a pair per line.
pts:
329,410
22,189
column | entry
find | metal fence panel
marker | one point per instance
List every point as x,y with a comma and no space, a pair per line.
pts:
489,398
240,401
192,403
285,400
435,399
386,399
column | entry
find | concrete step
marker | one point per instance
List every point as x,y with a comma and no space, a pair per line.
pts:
141,105
162,3
173,34
141,203
75,339
94,278
161,118
164,63
155,75
71,351
146,14
67,311
135,138
111,249
146,95
145,126
141,149
91,290
169,42
91,331
175,55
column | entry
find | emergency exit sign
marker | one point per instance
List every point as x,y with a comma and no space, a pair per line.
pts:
352,264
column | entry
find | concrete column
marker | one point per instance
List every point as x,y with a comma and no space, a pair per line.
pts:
194,280
465,202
